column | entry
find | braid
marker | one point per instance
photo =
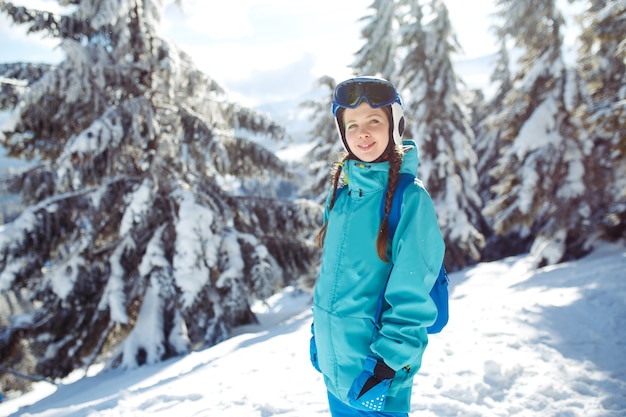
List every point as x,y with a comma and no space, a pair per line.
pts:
395,161
338,167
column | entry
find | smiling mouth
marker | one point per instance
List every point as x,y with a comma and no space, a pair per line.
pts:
368,146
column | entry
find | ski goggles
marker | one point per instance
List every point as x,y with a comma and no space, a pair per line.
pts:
376,91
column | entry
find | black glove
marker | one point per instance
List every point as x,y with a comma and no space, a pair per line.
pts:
381,373
369,389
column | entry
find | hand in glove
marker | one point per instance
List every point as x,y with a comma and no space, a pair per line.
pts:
369,389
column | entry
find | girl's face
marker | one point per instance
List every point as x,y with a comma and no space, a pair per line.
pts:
367,131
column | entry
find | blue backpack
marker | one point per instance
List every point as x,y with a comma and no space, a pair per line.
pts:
439,292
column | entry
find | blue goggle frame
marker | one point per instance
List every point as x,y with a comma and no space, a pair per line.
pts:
377,92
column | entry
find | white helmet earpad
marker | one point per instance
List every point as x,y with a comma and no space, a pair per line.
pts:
341,137
398,123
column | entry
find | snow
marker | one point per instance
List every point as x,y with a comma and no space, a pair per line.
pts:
138,207
114,297
539,131
147,334
191,271
523,342
63,276
12,236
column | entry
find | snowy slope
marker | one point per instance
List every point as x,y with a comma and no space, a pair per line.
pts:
520,343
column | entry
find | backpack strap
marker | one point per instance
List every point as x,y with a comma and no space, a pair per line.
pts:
394,217
439,292
404,181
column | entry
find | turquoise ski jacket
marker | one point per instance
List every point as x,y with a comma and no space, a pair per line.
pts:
352,277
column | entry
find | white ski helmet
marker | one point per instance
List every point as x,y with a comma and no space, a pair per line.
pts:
377,92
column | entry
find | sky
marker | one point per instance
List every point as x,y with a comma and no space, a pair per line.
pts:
280,47
265,50
520,342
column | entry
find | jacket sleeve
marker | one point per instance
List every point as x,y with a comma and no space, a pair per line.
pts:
417,253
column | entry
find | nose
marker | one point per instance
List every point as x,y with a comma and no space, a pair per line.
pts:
363,132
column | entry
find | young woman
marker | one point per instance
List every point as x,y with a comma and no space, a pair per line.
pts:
371,305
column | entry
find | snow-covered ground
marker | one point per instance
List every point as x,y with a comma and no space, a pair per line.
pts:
520,342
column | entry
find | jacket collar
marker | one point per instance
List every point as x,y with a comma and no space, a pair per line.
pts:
367,177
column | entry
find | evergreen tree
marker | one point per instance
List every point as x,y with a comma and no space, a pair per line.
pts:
326,145
137,242
602,62
540,192
489,142
377,55
438,120
489,123
413,75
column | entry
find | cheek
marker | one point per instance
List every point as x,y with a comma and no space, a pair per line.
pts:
351,135
383,133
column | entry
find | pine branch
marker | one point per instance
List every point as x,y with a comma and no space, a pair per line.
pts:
34,378
103,337
256,122
250,159
271,217
43,21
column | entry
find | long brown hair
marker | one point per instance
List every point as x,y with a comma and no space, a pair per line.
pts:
395,161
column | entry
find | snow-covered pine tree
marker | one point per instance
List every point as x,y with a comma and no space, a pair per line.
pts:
489,123
136,243
602,64
377,56
413,69
438,120
540,191
326,148
489,143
